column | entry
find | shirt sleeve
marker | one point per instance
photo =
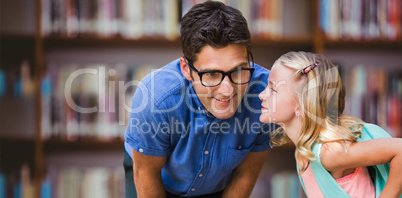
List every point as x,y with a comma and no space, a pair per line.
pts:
148,130
263,139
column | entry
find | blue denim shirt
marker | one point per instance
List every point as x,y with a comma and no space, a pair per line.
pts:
168,119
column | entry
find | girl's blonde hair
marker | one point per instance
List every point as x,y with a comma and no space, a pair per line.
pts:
322,101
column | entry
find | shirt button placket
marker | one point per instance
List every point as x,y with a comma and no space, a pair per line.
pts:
206,159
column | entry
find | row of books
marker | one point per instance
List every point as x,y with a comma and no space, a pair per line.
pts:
106,18
88,101
2,185
17,91
264,17
285,184
361,19
94,100
17,81
17,183
281,184
374,94
73,182
147,18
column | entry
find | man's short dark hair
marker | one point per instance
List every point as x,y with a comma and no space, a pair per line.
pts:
215,24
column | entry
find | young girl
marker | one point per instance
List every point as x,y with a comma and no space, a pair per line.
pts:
305,97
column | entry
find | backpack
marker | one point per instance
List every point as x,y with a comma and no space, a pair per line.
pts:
329,187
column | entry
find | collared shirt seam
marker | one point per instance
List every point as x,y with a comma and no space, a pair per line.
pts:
166,95
139,145
159,102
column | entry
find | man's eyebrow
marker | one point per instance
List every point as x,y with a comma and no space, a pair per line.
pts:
238,66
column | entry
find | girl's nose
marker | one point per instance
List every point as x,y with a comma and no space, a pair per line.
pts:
264,94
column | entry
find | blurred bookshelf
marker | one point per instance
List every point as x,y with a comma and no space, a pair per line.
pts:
93,41
362,44
120,41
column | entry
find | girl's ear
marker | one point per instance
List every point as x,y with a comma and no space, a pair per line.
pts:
297,111
185,70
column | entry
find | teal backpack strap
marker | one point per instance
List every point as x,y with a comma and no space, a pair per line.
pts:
301,179
328,186
372,131
379,172
324,180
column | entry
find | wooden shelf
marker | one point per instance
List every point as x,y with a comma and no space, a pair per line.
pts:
16,151
16,37
95,41
364,44
16,42
87,145
16,47
283,42
18,141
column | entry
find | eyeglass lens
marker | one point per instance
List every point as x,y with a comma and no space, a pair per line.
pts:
239,76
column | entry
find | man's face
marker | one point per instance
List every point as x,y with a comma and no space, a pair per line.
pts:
223,100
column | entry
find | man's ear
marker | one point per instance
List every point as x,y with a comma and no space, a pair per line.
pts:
185,70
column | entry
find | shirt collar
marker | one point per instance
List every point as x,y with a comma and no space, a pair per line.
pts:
199,106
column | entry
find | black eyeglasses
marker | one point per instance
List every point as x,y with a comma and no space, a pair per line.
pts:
214,78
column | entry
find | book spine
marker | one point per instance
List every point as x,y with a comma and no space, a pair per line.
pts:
3,185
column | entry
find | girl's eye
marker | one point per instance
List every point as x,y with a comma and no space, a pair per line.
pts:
273,90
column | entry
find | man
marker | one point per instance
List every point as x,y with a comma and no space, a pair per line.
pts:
194,128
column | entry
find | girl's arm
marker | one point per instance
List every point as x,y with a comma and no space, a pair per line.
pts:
337,157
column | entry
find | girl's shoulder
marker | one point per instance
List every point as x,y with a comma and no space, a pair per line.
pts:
332,153
335,155
368,131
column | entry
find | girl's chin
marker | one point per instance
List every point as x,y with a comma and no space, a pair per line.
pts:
266,119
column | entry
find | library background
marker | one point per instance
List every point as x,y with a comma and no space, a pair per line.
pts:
47,149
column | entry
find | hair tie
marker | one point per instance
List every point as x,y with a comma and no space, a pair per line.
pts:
308,69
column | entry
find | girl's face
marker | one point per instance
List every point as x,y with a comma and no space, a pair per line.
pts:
279,99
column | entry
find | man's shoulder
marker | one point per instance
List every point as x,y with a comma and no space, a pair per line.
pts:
165,82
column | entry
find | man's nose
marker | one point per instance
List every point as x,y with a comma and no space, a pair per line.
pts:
226,86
